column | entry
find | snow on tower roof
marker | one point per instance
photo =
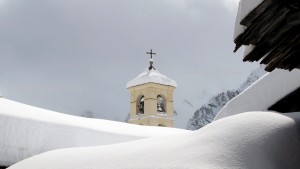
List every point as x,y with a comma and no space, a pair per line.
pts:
151,76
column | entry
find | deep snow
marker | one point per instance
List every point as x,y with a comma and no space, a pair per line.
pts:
26,131
236,140
241,141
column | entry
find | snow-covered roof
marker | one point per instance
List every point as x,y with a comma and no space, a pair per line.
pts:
151,76
263,93
270,31
245,7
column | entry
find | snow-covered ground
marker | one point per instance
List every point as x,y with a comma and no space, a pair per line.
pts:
248,140
241,141
26,131
238,139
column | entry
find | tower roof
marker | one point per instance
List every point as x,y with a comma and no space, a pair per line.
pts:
151,76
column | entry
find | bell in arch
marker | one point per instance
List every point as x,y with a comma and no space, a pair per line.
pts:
160,104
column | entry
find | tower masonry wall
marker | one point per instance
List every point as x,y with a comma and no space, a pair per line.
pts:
150,92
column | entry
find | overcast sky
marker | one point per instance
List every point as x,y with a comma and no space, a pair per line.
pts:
74,56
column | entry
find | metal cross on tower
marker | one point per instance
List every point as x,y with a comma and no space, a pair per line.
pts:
151,53
151,59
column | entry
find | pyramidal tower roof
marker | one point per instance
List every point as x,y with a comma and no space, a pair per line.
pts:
151,75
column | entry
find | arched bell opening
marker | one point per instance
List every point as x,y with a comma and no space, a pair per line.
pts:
161,104
140,106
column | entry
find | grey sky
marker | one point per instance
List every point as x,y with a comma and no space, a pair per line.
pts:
73,56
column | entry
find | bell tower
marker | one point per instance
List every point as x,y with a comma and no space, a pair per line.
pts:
151,98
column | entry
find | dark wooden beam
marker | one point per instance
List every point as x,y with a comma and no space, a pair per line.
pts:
273,27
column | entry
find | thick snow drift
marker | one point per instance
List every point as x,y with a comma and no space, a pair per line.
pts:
263,93
151,76
26,131
249,141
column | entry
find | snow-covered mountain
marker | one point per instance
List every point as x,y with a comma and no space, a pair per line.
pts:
184,110
206,113
253,77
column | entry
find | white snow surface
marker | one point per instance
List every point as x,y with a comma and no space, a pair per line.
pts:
151,76
249,140
263,93
245,7
26,131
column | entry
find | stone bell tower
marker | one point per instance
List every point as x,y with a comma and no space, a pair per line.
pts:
151,98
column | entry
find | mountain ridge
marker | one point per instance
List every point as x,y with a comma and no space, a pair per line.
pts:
206,113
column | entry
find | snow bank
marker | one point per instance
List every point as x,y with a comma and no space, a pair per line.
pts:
263,94
240,141
149,76
26,131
